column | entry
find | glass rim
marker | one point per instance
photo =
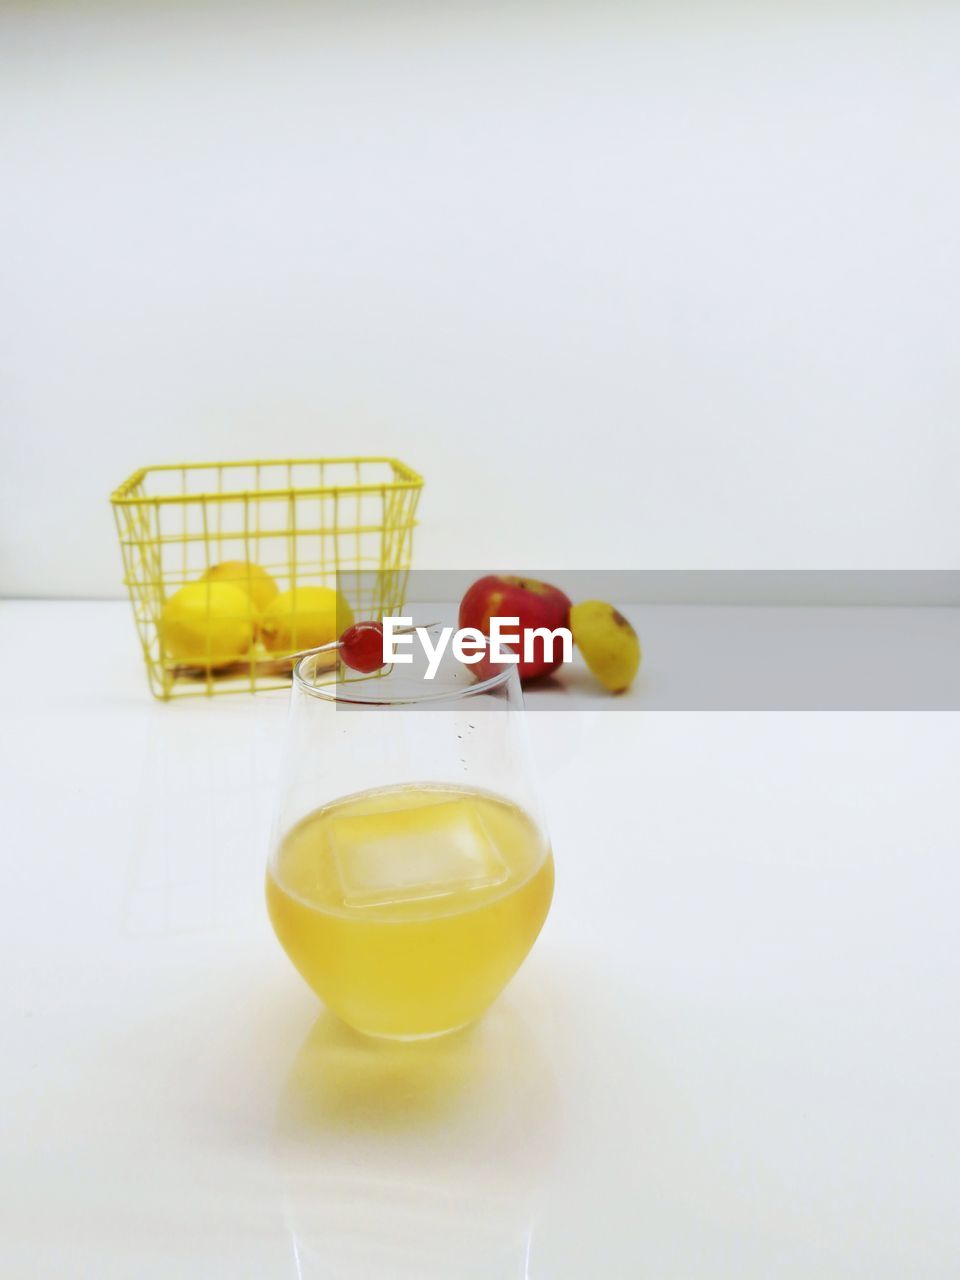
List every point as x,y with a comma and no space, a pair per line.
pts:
328,692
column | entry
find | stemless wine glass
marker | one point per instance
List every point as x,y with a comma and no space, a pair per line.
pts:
410,870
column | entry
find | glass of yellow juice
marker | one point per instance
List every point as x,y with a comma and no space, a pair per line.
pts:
410,871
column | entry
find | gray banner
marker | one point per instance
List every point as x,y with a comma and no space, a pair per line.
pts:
752,640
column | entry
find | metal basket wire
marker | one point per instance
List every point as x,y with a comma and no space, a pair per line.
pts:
345,523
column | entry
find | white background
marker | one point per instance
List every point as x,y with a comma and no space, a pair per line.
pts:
633,286
733,1053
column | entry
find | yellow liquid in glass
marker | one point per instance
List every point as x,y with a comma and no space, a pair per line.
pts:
408,909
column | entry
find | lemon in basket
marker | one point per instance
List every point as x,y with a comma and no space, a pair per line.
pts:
207,624
249,577
304,618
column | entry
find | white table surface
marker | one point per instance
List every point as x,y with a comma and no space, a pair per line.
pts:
734,1051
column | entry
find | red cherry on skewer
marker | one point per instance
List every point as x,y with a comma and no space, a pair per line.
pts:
361,647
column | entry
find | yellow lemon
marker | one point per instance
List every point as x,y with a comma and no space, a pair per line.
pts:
304,618
249,577
206,624
610,646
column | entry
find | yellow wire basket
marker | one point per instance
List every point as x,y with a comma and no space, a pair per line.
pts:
345,523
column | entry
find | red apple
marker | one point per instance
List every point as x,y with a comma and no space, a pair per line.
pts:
485,667
536,604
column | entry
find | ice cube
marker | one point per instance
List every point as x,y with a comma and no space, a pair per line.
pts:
408,854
